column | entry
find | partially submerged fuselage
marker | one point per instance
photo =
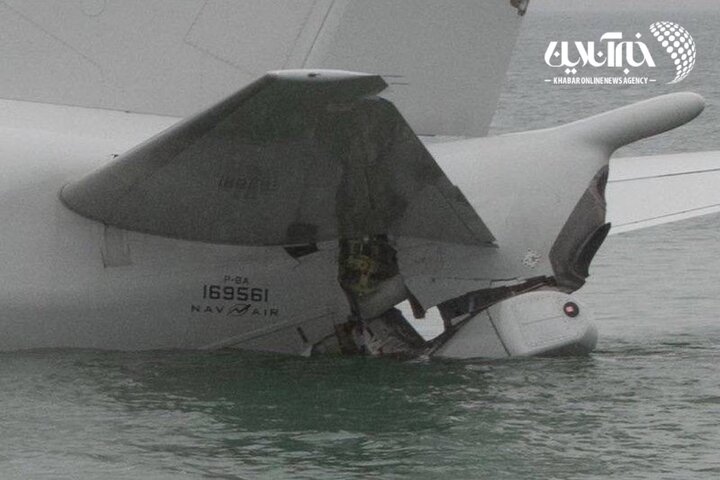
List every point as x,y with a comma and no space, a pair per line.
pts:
75,282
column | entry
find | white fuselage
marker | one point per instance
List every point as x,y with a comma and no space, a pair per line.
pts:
69,282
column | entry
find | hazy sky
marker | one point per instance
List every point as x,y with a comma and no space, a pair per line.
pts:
590,5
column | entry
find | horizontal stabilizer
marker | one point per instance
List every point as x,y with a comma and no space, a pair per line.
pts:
631,123
647,191
297,157
544,173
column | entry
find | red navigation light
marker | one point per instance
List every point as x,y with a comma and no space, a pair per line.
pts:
571,309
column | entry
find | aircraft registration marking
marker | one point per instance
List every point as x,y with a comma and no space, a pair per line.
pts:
235,297
233,293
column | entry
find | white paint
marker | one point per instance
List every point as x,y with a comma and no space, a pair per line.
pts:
171,57
647,191
56,291
527,325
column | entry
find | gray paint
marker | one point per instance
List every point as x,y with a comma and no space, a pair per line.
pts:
297,157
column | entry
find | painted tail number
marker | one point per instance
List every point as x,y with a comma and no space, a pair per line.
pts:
232,293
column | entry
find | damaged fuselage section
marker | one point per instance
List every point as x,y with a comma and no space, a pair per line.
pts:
531,317
317,194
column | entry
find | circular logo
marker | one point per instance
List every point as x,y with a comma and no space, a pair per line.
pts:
679,44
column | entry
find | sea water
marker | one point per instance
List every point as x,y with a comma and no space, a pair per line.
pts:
645,405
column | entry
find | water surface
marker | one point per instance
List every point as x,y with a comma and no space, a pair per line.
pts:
645,405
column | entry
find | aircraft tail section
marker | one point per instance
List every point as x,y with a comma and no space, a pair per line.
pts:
586,228
631,123
296,158
545,201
